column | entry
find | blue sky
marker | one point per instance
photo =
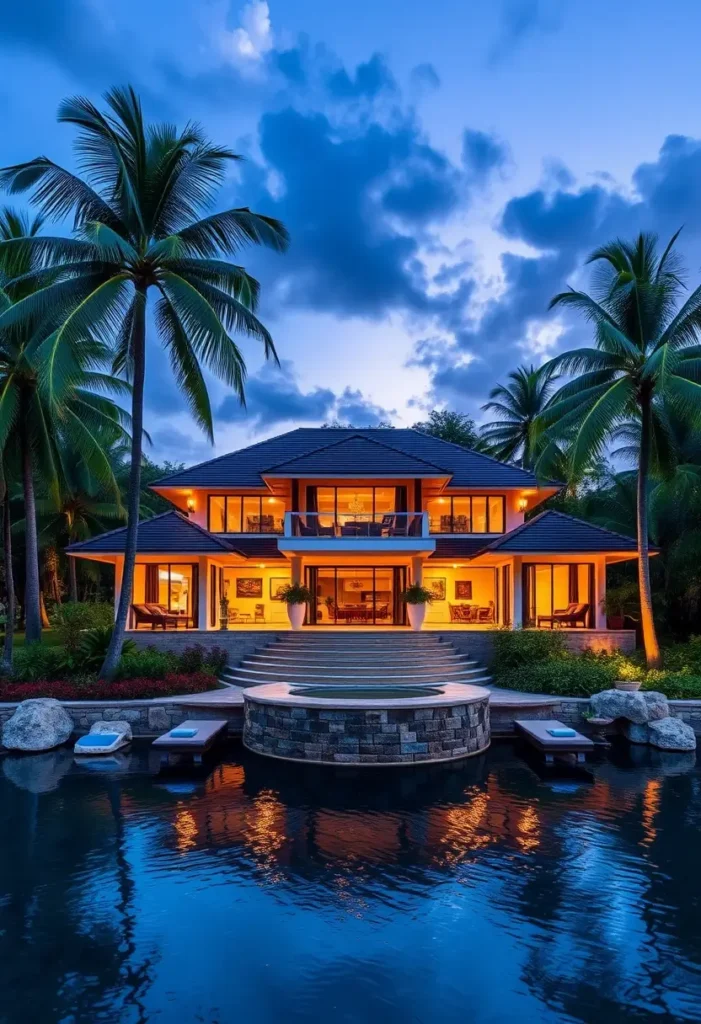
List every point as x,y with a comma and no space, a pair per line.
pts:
443,170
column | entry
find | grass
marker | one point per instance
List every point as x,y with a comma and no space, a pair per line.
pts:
48,637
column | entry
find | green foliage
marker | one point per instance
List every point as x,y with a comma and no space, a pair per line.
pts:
622,600
567,676
455,427
516,648
149,663
675,685
200,659
295,593
93,647
517,405
38,663
416,594
73,619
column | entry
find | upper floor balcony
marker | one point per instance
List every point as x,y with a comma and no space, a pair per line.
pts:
407,532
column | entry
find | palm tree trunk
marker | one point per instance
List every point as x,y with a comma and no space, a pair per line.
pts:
72,579
138,343
652,647
32,610
6,666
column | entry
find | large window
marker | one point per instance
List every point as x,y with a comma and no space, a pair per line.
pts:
471,513
559,594
172,586
355,504
241,513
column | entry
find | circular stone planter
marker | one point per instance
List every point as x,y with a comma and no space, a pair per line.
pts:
356,726
627,686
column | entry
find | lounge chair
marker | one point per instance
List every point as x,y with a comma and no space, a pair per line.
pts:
153,615
573,615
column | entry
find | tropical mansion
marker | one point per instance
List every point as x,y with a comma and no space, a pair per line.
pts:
357,515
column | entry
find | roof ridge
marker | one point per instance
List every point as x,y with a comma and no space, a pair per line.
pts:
370,440
484,455
226,455
496,544
594,526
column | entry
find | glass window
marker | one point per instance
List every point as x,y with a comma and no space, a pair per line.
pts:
461,515
180,589
216,514
496,514
251,515
233,515
439,516
561,587
479,515
273,515
384,500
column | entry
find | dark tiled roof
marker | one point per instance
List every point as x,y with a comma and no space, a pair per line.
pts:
256,548
247,467
458,547
357,456
170,534
554,532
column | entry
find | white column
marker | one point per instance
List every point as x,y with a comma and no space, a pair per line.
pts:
517,592
599,592
203,594
296,568
417,569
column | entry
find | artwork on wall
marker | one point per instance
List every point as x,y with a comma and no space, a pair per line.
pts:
463,590
277,585
436,584
249,586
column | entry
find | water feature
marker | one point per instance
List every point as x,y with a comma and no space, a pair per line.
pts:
258,892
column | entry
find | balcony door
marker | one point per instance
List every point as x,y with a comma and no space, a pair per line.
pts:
357,596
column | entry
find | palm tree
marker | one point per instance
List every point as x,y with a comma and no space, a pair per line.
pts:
41,418
141,224
517,405
646,363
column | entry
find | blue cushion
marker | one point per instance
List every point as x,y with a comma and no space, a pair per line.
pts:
98,739
562,732
183,734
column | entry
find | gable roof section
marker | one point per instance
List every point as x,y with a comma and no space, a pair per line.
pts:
554,532
247,467
255,548
357,455
456,548
170,534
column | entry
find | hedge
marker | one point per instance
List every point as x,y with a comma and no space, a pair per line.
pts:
123,689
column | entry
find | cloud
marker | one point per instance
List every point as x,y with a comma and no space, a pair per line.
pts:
172,444
425,77
483,153
520,19
252,39
368,81
353,407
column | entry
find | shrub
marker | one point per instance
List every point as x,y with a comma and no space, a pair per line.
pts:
125,689
149,663
675,685
71,620
684,657
93,645
38,662
568,676
216,659
514,648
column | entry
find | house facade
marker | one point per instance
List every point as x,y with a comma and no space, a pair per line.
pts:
356,515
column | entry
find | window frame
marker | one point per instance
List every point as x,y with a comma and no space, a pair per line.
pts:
464,497
260,498
349,487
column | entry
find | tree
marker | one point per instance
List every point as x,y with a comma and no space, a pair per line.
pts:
517,405
48,393
646,365
140,224
456,427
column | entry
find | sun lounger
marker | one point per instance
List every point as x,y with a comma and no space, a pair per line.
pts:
192,737
100,743
552,738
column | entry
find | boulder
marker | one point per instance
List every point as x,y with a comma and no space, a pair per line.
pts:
657,705
619,704
120,727
671,734
38,773
39,724
635,733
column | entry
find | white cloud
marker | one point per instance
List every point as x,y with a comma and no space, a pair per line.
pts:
247,44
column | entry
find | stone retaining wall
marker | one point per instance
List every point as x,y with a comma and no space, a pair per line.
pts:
367,737
570,711
147,717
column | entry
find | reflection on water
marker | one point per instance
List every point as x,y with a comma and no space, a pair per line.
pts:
260,892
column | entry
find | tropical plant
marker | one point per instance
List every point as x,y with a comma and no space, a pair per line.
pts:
295,593
49,392
416,594
646,362
513,435
139,225
456,427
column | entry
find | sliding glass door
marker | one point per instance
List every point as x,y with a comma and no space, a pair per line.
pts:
551,591
357,596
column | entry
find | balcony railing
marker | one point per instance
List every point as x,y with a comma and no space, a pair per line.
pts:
363,526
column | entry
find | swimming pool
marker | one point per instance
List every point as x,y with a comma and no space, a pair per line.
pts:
260,892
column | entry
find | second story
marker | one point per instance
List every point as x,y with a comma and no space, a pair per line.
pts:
316,488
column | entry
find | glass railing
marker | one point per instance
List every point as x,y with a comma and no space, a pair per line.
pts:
364,525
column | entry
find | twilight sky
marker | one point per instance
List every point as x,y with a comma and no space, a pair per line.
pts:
443,170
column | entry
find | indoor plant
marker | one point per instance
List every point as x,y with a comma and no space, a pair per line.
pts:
296,597
619,602
416,598
224,612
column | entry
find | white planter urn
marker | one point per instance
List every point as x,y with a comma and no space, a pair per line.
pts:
296,613
417,614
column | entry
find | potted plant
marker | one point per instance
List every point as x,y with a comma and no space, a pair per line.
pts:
416,598
619,602
224,612
296,597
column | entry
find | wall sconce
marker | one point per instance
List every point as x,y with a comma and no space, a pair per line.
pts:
522,504
191,506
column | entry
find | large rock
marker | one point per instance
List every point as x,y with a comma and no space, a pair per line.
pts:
671,734
122,728
38,773
40,724
619,704
657,705
635,733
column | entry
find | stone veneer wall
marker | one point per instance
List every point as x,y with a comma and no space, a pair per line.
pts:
367,737
570,711
147,718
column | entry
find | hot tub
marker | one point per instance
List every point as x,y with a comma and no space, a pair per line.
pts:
366,725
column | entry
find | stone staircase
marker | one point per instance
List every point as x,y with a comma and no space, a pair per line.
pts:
357,658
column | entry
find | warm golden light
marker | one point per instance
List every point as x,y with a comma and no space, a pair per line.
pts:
522,504
191,505
186,830
261,565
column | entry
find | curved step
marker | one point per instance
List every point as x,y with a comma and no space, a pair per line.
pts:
348,678
273,658
350,665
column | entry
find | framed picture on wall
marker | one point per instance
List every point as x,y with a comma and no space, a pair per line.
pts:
463,590
277,585
436,584
249,586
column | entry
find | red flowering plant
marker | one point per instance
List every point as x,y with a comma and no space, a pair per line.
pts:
171,685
